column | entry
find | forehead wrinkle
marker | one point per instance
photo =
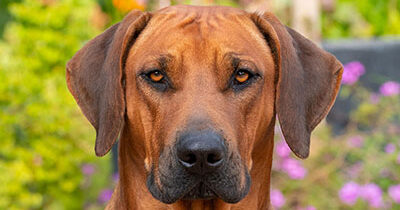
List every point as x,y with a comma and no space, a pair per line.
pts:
187,20
248,44
201,36
207,26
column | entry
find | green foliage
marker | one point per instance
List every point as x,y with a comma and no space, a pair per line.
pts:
362,18
44,138
4,14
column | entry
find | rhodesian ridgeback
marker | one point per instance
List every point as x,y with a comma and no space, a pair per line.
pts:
193,93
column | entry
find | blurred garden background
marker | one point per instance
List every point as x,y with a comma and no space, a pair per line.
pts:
47,159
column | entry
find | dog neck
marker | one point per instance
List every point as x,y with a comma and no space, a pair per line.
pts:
131,191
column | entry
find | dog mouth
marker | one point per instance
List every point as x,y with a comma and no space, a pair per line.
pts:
171,182
200,191
175,185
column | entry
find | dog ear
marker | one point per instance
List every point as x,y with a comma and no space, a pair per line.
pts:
95,78
307,83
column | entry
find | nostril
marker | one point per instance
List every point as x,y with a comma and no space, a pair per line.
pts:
189,158
213,158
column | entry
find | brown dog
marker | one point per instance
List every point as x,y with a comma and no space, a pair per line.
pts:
193,93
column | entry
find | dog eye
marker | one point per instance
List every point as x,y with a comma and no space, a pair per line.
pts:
155,76
242,76
157,79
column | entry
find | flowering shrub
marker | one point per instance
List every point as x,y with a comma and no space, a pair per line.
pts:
357,170
394,193
277,199
390,88
352,73
349,193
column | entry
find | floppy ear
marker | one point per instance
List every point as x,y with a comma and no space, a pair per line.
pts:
307,84
95,78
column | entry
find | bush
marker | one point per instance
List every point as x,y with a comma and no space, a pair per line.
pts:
45,141
361,18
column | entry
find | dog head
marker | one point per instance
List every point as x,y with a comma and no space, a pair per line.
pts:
198,87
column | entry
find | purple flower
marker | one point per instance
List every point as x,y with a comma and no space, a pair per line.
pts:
390,88
394,193
282,149
390,148
349,193
355,141
105,195
277,199
293,168
372,193
88,169
352,71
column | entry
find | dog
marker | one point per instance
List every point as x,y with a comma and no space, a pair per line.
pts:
193,93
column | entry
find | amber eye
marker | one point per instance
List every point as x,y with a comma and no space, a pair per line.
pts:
242,76
156,76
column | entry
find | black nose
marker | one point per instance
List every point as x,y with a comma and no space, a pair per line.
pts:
201,151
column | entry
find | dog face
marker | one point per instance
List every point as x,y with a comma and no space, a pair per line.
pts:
197,87
200,96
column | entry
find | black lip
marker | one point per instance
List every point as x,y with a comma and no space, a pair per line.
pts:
172,182
188,187
200,191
